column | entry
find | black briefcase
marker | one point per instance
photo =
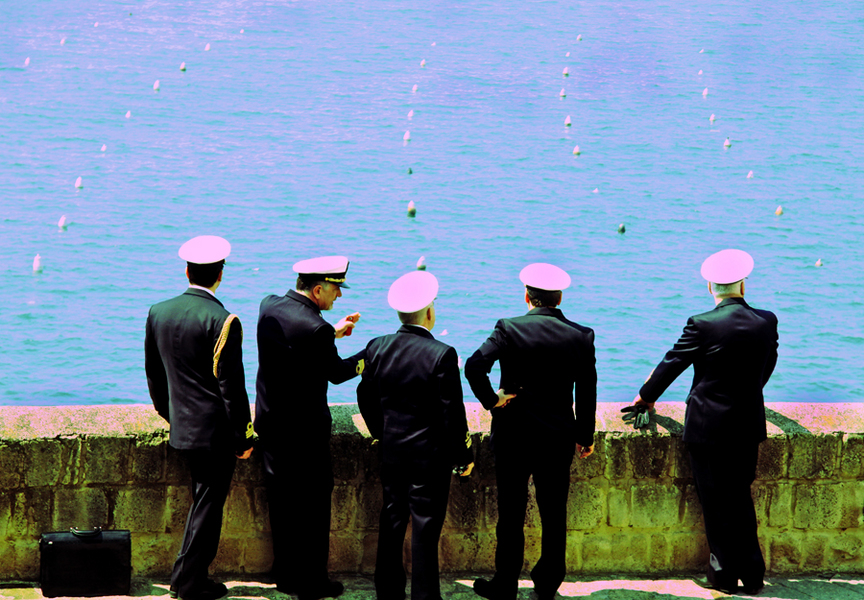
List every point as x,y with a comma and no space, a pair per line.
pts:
87,562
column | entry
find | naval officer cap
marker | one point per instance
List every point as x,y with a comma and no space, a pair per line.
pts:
727,266
413,291
544,276
205,250
331,269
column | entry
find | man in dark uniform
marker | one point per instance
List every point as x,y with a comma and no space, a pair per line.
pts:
297,357
411,399
194,369
544,357
733,350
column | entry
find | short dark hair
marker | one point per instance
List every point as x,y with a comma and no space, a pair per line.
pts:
204,275
305,284
539,297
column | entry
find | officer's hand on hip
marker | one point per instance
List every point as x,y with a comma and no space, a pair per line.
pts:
503,399
585,451
346,325
245,454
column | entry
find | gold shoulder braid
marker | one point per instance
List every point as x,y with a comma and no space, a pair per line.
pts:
223,337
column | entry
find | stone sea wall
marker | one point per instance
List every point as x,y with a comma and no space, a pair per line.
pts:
632,509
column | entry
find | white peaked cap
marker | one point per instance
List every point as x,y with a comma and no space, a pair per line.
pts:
205,249
544,276
413,291
727,266
327,268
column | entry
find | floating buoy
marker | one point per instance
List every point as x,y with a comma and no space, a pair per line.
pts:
241,31
562,93
566,72
128,114
414,89
596,191
96,24
433,43
727,143
567,121
568,54
79,183
407,136
411,113
579,38
576,151
779,211
700,71
705,92
750,175
183,66
712,117
445,332
412,210
702,50
410,172
818,263
104,147
63,41
621,228
423,63
156,86
27,62
37,264
421,264
207,47
61,224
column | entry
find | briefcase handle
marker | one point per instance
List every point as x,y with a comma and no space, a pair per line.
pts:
85,534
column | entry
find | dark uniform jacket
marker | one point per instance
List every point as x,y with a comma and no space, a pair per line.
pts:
411,399
194,366
733,350
297,356
544,358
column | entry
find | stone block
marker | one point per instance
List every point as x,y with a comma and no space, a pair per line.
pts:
261,508
688,550
490,507
370,552
346,451
650,455
258,553
20,561
343,507
484,458
655,505
617,459
12,465
586,506
50,462
104,459
851,456
148,458
846,549
178,500
249,472
827,506
140,510
813,548
659,553
681,468
761,494
32,513
575,541
229,557
533,546
238,516
84,508
691,516
466,552
465,505
369,502
773,458
176,467
813,456
346,552
619,507
784,551
780,505
153,554
594,465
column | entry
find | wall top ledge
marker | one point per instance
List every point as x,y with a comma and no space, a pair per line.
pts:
34,422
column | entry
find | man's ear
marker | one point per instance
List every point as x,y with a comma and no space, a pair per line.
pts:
710,291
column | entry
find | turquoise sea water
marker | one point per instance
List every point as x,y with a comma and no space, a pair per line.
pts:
287,139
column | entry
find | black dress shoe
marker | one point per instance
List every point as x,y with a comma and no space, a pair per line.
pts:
331,589
544,593
704,583
212,591
488,589
753,590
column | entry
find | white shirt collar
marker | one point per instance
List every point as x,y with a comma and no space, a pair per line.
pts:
198,287
416,325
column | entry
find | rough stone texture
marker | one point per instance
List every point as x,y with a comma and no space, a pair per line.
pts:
633,507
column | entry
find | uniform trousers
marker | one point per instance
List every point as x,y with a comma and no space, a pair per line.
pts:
211,471
299,482
551,471
420,492
723,475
